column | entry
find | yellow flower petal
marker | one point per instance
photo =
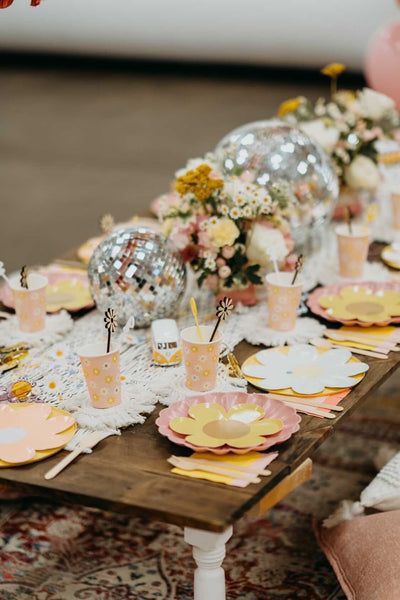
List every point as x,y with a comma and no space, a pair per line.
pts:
289,106
251,439
183,425
333,69
202,439
267,426
246,413
204,413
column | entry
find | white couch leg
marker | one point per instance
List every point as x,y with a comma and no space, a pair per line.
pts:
208,552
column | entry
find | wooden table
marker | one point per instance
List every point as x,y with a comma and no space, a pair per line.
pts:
130,474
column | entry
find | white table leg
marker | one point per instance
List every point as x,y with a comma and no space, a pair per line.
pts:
208,552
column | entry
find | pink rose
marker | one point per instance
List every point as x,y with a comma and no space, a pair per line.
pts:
204,240
228,252
215,174
212,282
220,262
290,263
288,240
181,236
224,272
372,134
247,176
163,203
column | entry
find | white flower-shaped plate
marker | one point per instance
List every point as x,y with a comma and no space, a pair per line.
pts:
303,369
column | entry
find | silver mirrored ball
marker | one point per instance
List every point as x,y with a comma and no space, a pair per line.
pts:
137,273
273,150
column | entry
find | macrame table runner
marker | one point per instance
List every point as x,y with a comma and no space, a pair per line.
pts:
54,367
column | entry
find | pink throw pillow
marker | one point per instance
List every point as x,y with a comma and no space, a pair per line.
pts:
365,555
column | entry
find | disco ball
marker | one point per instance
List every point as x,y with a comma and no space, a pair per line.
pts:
137,273
273,150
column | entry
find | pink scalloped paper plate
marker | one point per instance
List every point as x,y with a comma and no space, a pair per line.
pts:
375,286
273,409
68,289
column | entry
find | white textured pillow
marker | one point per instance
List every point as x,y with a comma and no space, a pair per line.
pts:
383,493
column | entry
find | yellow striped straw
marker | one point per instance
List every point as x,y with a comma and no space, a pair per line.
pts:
193,306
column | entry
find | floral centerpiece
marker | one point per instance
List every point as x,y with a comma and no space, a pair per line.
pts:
7,3
226,227
347,127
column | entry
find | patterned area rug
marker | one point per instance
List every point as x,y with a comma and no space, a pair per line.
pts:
60,552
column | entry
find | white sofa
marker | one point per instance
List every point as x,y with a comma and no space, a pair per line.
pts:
268,32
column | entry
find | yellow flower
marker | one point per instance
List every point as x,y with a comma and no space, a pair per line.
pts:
345,97
198,182
362,304
223,233
167,227
289,106
333,70
212,426
372,212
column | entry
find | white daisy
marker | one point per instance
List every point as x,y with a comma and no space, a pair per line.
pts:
223,209
304,369
240,199
52,386
210,264
235,213
59,352
247,212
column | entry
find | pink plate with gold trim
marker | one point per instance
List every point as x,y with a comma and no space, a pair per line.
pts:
68,289
272,409
374,287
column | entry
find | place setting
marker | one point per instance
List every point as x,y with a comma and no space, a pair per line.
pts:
223,425
347,254
31,325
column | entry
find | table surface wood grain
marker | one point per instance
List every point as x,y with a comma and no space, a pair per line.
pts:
129,473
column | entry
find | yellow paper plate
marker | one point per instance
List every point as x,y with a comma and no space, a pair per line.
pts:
42,454
288,391
86,250
362,304
70,293
210,425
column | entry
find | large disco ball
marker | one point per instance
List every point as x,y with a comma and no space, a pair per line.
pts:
273,150
136,272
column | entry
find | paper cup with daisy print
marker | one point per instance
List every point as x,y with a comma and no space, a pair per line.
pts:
395,202
352,249
102,374
283,300
30,304
200,358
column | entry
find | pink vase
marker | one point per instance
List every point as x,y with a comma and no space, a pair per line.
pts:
382,65
246,296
